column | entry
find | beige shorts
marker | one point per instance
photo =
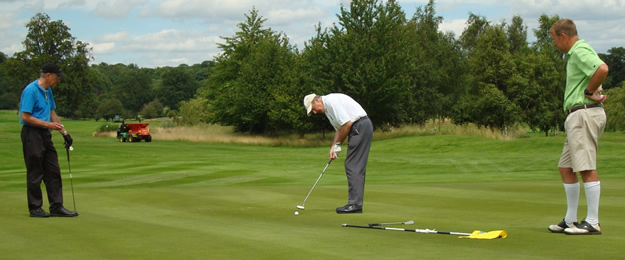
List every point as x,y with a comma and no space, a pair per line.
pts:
583,129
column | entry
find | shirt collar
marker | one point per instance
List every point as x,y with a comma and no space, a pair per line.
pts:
575,45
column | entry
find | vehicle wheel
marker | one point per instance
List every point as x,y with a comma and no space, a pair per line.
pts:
130,138
148,139
121,139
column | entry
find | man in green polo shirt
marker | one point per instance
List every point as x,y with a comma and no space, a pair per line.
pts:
585,122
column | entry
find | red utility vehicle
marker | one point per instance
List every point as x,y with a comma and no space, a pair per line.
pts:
134,132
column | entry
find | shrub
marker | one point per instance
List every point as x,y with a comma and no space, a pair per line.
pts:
107,127
152,109
168,123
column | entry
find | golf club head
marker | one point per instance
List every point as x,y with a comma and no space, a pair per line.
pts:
410,222
300,207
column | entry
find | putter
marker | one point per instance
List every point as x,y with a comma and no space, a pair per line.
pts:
70,175
313,187
427,231
409,222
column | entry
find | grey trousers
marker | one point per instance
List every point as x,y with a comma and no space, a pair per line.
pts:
358,146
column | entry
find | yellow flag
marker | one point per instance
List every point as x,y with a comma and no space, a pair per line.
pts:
487,235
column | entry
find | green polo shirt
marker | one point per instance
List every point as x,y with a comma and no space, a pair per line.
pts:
582,62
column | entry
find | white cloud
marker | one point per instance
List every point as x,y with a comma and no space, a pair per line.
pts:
102,48
455,26
285,16
168,47
170,40
112,37
72,3
169,32
576,10
116,9
7,21
212,10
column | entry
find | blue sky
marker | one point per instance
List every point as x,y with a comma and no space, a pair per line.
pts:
153,33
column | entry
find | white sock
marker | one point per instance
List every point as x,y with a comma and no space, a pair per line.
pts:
572,201
593,192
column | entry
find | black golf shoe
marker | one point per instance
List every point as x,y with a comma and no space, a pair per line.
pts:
349,209
38,213
63,212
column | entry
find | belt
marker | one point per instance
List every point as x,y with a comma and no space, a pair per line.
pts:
361,118
573,109
36,128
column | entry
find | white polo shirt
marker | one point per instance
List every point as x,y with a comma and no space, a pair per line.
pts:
341,108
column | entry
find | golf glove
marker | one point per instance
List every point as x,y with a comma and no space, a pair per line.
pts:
337,148
68,141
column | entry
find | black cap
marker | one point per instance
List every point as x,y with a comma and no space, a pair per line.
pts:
52,68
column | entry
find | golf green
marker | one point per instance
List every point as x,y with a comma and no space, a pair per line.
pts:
187,200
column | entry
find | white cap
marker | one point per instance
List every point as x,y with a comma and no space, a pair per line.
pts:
308,99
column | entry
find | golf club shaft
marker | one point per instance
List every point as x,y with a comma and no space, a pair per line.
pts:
71,182
427,231
313,187
410,222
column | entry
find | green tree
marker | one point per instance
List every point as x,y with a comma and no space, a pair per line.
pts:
517,36
551,75
615,109
133,88
102,82
544,43
529,90
315,66
439,67
492,68
251,84
108,109
153,109
51,41
615,59
195,111
8,99
176,84
476,27
365,57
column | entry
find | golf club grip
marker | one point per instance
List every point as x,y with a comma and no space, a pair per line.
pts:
377,227
359,226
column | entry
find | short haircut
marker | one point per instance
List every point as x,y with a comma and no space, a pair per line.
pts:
565,26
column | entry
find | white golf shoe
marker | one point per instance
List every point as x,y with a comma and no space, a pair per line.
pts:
560,227
584,228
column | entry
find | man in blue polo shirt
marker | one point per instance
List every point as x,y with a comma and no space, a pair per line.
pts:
38,117
585,72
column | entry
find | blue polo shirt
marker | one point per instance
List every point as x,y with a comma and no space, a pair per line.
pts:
37,101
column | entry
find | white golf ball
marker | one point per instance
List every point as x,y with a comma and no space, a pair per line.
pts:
296,213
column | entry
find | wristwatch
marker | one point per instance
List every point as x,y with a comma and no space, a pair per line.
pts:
587,92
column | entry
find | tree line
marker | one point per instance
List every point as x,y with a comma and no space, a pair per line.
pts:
401,70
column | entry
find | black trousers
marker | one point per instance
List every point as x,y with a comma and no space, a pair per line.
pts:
42,164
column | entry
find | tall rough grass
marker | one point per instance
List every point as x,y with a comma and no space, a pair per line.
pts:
224,134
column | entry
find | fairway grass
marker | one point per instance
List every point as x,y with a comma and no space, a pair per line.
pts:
191,200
